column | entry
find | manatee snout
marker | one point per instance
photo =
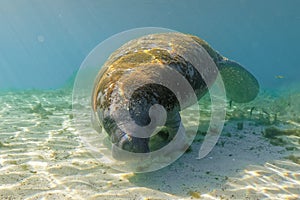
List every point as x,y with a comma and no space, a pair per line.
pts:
125,146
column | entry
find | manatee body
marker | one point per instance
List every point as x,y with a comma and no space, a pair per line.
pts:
147,59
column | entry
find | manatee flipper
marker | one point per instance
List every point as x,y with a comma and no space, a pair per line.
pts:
240,85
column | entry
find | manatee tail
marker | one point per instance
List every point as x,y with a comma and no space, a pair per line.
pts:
240,85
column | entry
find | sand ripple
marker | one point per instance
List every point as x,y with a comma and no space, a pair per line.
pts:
41,156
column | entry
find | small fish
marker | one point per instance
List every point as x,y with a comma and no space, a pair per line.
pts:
279,77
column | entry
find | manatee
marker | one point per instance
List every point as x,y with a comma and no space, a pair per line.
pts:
147,59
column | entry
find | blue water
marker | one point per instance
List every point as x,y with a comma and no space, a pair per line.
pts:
44,151
44,42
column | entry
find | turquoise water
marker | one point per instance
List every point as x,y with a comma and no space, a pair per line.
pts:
43,43
42,154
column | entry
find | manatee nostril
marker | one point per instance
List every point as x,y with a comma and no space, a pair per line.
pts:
140,145
117,136
130,148
133,144
126,146
125,143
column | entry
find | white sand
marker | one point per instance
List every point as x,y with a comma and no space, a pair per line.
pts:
41,157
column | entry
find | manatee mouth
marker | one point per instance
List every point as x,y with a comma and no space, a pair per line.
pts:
126,147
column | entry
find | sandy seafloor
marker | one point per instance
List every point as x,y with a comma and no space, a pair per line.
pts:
42,157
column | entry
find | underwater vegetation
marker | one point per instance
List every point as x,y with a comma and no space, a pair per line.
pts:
268,108
278,113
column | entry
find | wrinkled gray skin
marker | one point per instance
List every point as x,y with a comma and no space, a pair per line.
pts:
146,58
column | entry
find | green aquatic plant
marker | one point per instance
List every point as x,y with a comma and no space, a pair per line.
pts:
295,159
283,137
273,131
227,134
269,108
278,142
194,194
39,109
240,125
